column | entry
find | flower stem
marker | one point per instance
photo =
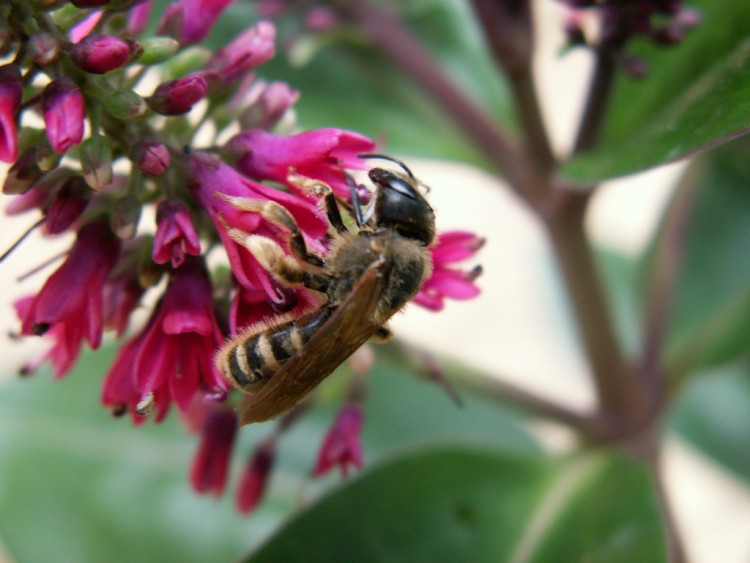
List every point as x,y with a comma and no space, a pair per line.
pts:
597,100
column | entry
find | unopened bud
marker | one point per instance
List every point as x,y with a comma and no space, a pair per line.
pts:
158,49
11,91
98,54
44,48
176,97
151,157
24,172
96,162
67,205
124,104
63,107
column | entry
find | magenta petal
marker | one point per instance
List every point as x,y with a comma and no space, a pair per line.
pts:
454,246
452,283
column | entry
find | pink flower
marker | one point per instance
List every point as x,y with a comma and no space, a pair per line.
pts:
85,26
189,21
121,295
322,154
11,91
175,233
98,54
211,464
69,201
270,105
249,49
208,178
341,445
255,478
69,304
63,107
176,97
138,18
172,357
151,157
450,247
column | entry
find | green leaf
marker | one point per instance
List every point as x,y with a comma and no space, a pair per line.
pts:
713,110
462,504
713,413
710,316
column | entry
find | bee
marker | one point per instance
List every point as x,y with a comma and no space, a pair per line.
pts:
367,277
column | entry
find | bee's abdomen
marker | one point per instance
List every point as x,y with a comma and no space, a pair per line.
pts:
250,360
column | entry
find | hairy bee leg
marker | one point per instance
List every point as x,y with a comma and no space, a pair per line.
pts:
382,335
321,188
282,266
277,214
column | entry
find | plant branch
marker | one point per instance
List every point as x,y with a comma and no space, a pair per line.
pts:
508,30
622,405
661,289
389,35
597,100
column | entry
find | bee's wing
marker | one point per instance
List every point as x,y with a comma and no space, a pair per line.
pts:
347,329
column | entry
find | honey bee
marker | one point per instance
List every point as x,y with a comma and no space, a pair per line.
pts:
366,278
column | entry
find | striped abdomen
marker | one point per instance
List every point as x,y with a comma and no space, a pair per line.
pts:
252,358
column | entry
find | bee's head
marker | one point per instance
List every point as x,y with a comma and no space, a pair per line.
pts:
400,206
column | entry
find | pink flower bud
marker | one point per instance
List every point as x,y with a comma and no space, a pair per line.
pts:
211,463
98,54
341,445
176,97
11,90
44,48
248,50
275,99
96,161
22,175
190,21
67,205
63,107
255,478
138,18
151,157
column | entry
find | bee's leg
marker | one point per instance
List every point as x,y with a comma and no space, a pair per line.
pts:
321,188
382,335
282,266
278,215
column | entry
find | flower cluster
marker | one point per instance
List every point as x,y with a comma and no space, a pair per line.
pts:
80,66
663,21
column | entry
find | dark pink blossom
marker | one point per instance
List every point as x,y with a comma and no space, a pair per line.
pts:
63,107
11,91
211,464
190,21
249,49
98,54
69,201
176,97
138,18
172,357
255,478
175,234
121,295
210,179
69,305
322,154
450,247
341,445
151,157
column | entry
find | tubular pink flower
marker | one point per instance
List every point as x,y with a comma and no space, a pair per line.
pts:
63,107
176,97
172,358
71,298
121,295
175,234
450,247
209,178
211,464
98,54
249,49
190,21
255,478
138,18
341,445
11,91
321,154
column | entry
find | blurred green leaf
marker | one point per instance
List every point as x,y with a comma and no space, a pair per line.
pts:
712,110
710,317
463,504
713,413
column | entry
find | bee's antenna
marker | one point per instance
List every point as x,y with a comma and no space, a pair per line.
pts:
390,158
